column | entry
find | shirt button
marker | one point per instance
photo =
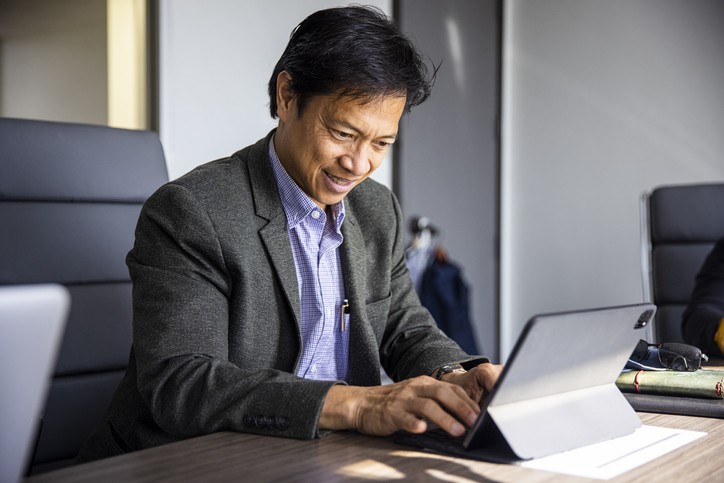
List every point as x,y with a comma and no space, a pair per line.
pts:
316,214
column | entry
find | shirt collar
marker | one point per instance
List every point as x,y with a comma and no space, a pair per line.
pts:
297,205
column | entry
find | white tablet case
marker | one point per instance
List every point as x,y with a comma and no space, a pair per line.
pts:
557,391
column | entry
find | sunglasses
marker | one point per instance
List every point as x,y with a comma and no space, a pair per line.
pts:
671,355
680,357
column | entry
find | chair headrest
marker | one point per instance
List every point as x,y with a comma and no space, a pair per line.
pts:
691,213
58,161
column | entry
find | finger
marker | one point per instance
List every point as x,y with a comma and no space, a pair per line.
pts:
453,400
410,423
487,375
431,410
456,399
493,375
465,397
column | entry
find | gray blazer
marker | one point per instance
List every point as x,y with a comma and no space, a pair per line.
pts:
216,337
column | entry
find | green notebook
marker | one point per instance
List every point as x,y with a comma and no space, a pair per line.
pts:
700,384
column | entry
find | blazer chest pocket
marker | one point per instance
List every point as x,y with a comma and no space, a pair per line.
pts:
377,313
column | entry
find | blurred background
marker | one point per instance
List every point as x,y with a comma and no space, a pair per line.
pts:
548,120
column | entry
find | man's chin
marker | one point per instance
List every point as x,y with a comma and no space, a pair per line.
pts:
331,200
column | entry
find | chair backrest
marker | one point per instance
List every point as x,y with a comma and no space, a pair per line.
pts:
682,223
70,195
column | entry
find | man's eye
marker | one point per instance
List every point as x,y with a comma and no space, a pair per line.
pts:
343,135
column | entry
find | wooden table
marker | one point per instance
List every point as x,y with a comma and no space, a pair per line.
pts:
351,456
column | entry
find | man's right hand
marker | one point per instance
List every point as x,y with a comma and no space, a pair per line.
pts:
407,405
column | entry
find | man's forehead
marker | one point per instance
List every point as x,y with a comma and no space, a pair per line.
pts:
366,99
382,104
380,113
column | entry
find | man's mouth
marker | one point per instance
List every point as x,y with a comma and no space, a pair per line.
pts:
339,181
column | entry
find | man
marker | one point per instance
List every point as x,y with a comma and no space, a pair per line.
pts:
703,319
270,286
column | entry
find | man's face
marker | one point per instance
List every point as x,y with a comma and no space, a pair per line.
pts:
336,143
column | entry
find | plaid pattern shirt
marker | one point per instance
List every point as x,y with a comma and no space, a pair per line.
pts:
315,238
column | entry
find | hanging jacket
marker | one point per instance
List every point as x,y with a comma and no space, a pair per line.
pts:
446,295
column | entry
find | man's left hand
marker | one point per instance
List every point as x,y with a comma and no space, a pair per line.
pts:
476,382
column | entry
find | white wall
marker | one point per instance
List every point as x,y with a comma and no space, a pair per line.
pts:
216,58
602,101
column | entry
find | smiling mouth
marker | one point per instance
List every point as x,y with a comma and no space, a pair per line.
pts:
339,181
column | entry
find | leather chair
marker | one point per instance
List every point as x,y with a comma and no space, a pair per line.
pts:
70,195
680,224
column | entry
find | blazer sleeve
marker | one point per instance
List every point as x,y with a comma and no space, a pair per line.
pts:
412,344
181,292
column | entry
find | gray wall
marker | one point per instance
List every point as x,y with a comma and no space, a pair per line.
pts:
448,150
216,57
602,100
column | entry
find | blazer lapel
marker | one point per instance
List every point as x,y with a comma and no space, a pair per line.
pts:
364,361
274,234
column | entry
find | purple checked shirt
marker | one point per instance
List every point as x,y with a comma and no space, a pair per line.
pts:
315,238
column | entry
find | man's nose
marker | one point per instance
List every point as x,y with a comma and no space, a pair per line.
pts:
357,161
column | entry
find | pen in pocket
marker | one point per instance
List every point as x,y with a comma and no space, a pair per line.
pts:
344,311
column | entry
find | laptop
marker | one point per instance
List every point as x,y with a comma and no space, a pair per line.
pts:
32,319
557,391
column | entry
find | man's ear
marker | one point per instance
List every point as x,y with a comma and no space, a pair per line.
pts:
285,94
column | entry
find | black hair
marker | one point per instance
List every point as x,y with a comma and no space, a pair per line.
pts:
354,51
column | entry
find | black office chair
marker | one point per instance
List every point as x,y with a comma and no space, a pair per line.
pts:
70,195
680,225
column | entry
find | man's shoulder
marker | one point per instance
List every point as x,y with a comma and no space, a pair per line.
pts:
372,203
370,192
223,174
221,170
